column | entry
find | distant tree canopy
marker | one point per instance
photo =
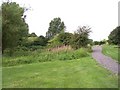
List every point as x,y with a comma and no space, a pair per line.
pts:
96,42
80,37
32,35
100,42
14,28
41,40
55,27
114,37
36,41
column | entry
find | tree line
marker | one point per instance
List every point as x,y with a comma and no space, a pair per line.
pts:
15,31
113,38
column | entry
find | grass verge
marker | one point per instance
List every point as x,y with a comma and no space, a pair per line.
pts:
80,73
111,51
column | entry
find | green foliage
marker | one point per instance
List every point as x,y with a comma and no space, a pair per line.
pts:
14,28
96,42
60,39
90,42
114,36
102,42
36,41
81,53
55,27
29,42
80,37
89,49
0,27
54,42
32,35
65,38
26,57
41,40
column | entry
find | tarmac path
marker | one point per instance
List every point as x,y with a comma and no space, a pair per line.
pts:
105,61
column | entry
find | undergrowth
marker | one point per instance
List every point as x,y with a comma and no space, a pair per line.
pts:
26,57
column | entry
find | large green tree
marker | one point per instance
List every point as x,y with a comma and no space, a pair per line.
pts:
0,28
14,28
114,36
55,27
80,37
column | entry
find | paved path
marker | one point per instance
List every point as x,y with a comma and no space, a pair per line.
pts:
105,61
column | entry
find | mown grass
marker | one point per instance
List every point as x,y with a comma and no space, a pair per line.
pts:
79,73
112,51
27,57
0,77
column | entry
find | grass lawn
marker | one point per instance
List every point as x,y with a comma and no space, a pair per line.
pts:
111,51
79,73
0,78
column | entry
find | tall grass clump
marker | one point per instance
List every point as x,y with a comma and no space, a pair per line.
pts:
82,52
38,56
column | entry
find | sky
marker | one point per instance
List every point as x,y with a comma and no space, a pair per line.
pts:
100,15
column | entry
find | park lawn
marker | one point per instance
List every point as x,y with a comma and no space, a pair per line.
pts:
0,77
112,51
79,73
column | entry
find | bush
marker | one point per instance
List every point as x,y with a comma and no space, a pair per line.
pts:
81,53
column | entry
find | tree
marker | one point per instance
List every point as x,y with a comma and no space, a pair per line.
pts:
0,28
32,35
41,40
14,28
80,37
65,38
103,42
114,37
96,42
55,27
90,41
54,42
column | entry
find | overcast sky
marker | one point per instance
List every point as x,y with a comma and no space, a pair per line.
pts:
100,15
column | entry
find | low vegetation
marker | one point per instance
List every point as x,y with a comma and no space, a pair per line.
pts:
112,51
27,57
78,73
59,59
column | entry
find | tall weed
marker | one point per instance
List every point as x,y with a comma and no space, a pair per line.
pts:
38,56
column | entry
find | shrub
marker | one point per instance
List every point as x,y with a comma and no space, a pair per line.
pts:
81,53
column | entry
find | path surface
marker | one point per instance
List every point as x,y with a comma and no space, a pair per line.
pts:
105,61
